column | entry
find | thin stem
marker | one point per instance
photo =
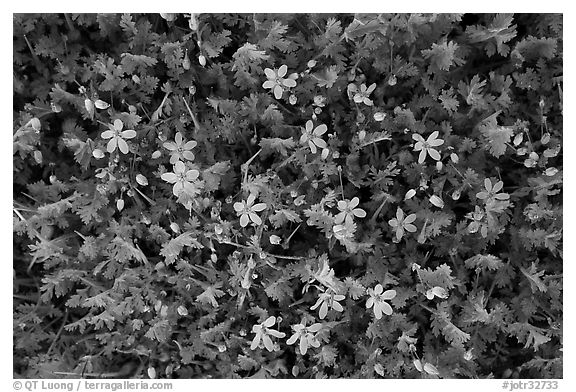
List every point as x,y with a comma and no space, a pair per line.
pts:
58,333
341,186
194,118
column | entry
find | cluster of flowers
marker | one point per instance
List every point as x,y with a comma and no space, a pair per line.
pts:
307,335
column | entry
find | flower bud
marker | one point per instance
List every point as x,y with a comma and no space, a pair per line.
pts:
202,60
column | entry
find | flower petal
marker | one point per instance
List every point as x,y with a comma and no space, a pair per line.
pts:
337,307
320,130
369,302
270,321
436,143
255,218
320,143
422,156
289,82
255,342
387,309
192,175
488,184
410,218
118,124
303,346
179,167
128,134
432,136
354,202
292,339
244,220
238,206
178,138
388,294
177,189
270,74
434,154
282,70
377,311
169,177
268,343
170,146
378,289
276,334
323,310
190,145
278,91
339,218
107,134
312,147
359,212
410,227
250,200
497,187
417,137
111,146
174,158
269,84
259,207
188,155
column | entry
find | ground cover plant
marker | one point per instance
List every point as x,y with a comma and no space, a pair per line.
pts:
287,195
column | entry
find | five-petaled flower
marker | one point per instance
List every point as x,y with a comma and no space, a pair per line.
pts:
117,136
491,191
312,137
426,146
263,333
306,335
180,149
401,223
361,95
182,179
378,300
328,300
348,211
277,82
247,211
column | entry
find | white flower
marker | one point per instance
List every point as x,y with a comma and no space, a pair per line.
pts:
247,211
312,137
378,300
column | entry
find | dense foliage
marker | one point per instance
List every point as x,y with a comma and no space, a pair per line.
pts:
287,195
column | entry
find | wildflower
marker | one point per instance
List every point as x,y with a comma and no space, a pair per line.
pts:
312,137
344,232
117,136
378,300
180,150
437,201
319,101
436,291
477,218
401,223
328,300
361,96
182,179
426,146
247,211
348,211
306,335
263,333
275,240
277,82
491,191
